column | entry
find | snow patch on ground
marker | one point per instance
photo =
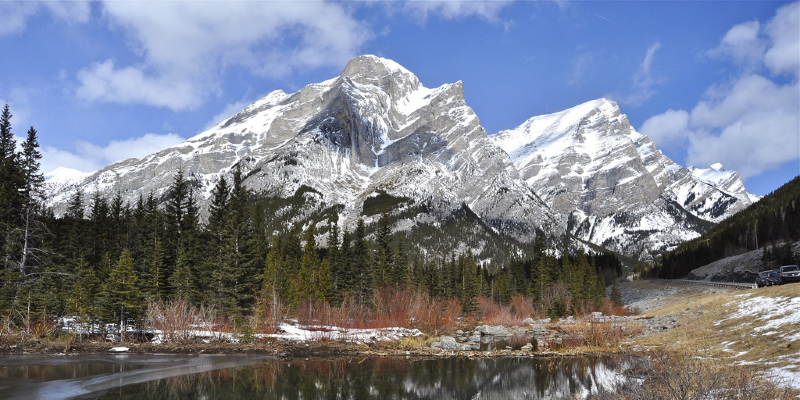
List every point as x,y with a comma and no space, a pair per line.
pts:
779,313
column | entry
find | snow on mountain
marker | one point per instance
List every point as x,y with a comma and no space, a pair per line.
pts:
375,130
616,189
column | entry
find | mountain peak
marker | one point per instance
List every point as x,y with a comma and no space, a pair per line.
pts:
381,72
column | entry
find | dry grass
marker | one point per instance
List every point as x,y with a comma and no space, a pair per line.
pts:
595,335
669,375
708,324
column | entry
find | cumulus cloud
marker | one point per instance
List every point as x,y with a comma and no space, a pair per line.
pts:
742,43
16,13
89,157
750,124
643,80
186,45
668,129
783,57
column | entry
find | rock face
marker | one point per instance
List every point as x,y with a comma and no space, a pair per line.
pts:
612,184
375,135
375,130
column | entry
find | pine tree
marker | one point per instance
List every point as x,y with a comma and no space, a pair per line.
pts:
11,188
121,297
400,265
471,284
361,266
334,259
309,288
274,275
31,230
384,257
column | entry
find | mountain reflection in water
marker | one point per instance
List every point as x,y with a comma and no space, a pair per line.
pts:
391,378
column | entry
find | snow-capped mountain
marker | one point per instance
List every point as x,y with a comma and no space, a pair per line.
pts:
375,138
374,129
612,184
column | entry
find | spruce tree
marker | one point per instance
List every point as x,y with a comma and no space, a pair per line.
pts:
308,285
273,281
121,298
361,265
31,231
384,257
471,283
11,188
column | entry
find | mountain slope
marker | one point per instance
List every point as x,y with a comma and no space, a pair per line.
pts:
374,129
612,184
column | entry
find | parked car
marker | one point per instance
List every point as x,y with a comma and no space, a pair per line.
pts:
789,273
768,278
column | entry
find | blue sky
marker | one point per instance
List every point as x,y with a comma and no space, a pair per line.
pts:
711,81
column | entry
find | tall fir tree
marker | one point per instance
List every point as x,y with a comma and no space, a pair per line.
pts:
384,256
121,298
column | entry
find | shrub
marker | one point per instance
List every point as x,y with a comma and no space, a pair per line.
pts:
682,376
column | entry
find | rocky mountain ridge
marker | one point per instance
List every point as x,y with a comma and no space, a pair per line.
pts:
613,185
375,132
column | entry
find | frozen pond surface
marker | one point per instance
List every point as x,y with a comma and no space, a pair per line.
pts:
244,377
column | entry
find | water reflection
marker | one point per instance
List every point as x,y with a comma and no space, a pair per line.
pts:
444,378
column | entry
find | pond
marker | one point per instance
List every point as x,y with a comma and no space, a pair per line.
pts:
262,377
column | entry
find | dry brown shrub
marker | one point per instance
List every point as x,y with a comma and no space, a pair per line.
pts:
666,375
610,308
268,315
492,313
521,307
433,316
177,320
392,307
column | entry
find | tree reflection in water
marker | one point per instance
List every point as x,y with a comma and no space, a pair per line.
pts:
392,378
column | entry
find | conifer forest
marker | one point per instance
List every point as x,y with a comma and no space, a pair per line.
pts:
105,261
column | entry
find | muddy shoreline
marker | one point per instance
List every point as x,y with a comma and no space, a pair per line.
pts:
289,350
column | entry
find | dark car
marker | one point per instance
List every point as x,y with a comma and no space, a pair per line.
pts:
789,273
768,278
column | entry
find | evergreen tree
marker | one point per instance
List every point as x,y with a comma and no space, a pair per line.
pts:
11,188
470,283
384,257
31,231
274,275
310,287
361,266
400,265
121,297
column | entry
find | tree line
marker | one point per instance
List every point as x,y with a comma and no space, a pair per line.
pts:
103,260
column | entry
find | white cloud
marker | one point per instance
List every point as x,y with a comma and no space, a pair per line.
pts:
668,129
129,85
751,125
784,54
88,157
743,44
16,13
453,9
643,80
186,45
